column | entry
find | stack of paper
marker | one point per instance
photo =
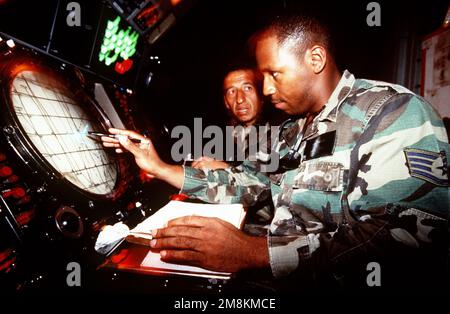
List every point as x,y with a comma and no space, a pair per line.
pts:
141,234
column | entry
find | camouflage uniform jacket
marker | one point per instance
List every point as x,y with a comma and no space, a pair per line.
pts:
372,161
245,147
254,143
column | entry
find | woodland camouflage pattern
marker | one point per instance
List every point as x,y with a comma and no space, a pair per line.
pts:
385,179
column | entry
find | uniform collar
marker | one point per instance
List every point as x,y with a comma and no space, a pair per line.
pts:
341,91
329,111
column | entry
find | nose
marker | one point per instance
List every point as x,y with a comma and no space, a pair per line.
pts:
268,87
240,97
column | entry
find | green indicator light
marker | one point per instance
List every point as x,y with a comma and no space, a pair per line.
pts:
117,42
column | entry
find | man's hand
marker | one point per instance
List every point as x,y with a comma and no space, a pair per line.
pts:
145,155
205,162
210,243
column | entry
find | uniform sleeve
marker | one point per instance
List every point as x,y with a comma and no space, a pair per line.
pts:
242,184
396,195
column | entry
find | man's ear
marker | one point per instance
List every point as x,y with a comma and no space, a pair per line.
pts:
316,57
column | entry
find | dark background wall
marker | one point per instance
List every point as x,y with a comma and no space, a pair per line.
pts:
195,52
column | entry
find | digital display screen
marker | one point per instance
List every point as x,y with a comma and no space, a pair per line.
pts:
117,44
98,39
118,49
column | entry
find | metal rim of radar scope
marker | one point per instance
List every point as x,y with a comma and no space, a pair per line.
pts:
18,140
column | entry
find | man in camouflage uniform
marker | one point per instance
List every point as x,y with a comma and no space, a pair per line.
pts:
244,103
243,99
363,178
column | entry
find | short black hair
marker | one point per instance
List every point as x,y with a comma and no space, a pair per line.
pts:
239,62
244,62
299,32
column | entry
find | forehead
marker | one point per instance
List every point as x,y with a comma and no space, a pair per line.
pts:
270,55
239,77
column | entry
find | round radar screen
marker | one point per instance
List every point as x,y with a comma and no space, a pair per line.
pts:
57,125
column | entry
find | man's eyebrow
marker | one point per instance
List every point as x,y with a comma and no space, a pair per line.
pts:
243,83
266,69
270,68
